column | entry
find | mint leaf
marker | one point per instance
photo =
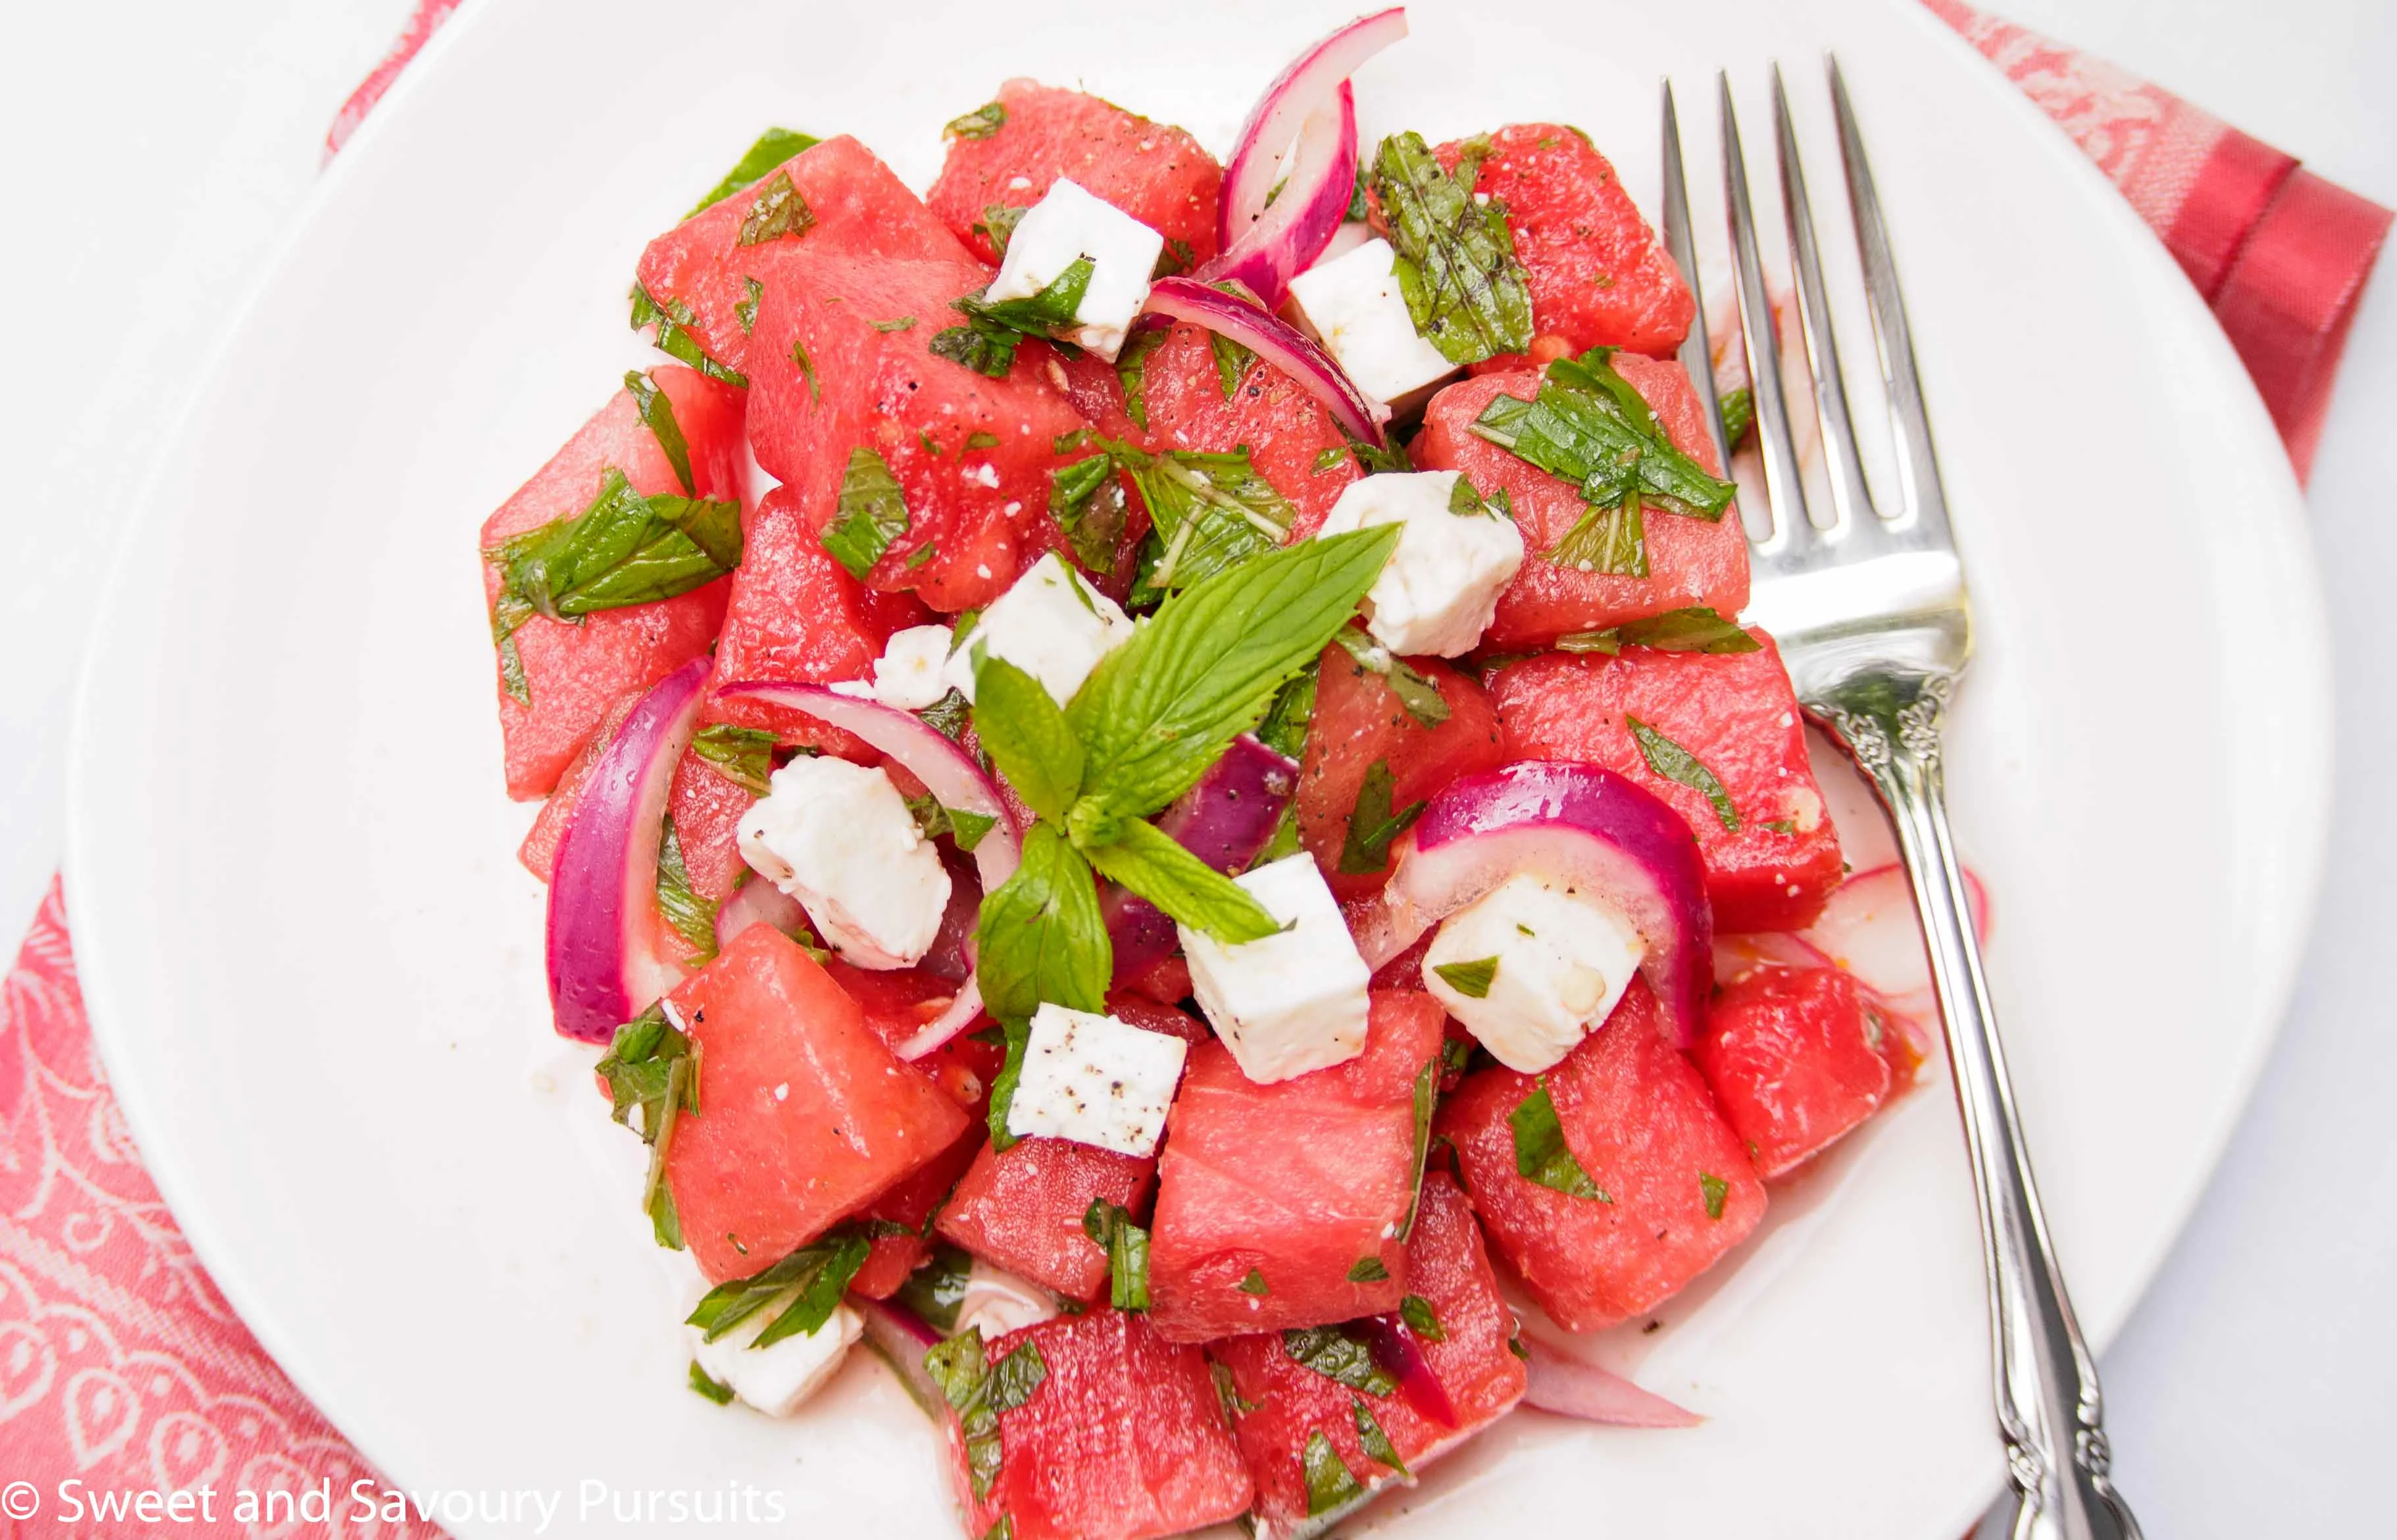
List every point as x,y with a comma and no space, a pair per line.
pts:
1613,541
1368,1269
1042,936
745,310
986,344
1466,292
873,514
949,714
1162,707
1426,1100
1373,1441
1738,408
1471,980
693,917
982,122
1153,865
1017,1035
1028,737
936,1290
658,416
1373,825
903,323
1336,1354
777,212
1255,1284
1421,698
1211,512
1609,642
1110,1227
807,1285
744,756
773,147
1232,361
1284,728
1228,1391
674,320
1541,1154
979,1390
1588,426
1088,503
1695,629
935,820
1715,1190
1330,1486
1673,762
998,224
624,549
1131,370
1416,1312
638,1069
709,1385
807,370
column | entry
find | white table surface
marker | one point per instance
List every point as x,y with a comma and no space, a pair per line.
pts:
157,154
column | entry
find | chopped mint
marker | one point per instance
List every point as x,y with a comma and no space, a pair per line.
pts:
998,224
1232,361
1337,1354
1738,407
1110,1228
1695,629
936,1290
1716,1189
778,212
1673,762
1416,1312
986,344
1017,1035
1209,512
1588,426
1373,825
979,440
1613,541
805,1286
744,756
903,323
1470,979
745,310
1467,295
873,514
1422,698
773,147
674,320
1540,1153
1427,1099
979,1390
807,369
709,1385
1330,1485
1131,370
1177,257
1373,1441
1088,503
1228,1391
692,916
658,415
1331,458
1255,1284
1284,728
982,122
1368,1269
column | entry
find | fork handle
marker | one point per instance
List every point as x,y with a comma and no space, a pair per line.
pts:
2045,1381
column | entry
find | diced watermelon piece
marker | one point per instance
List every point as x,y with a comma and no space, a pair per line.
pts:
1122,1439
1690,560
1289,434
1021,1208
1166,983
972,455
797,617
1597,274
804,1116
1478,1377
706,805
909,1207
1737,714
898,1002
1677,1188
1794,1058
1150,1014
539,851
1153,171
1303,1184
1360,722
575,672
856,207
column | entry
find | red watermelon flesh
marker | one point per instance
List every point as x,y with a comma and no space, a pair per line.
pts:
981,507
1150,1014
1690,561
804,1116
898,1002
1795,1059
1021,1208
797,617
857,205
1597,271
1122,1439
1679,1189
1153,171
1737,714
1300,1183
1479,1376
910,1207
706,805
575,672
1358,722
1289,434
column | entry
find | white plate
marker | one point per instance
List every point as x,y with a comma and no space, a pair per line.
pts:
313,968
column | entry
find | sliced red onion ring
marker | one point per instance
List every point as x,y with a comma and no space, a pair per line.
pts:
948,773
758,902
1574,1388
1573,824
1398,1349
604,965
902,1338
1277,343
1284,241
1308,82
1225,821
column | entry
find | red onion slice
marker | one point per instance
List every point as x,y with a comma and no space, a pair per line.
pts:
1225,821
758,902
902,1338
1396,1349
1284,241
948,773
1305,85
1277,343
1573,824
1576,1387
604,965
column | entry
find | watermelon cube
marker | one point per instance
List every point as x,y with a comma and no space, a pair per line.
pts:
702,269
1279,1205
1794,1058
573,672
1660,1186
900,1221
804,1116
1595,270
1772,855
1360,722
971,455
1153,171
1092,1427
1459,1375
1021,1208
1690,560
706,805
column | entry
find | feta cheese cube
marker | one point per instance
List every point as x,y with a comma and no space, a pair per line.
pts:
907,675
1068,222
838,838
1296,1000
1353,306
776,1378
1051,624
1440,589
1095,1080
1559,961
999,1302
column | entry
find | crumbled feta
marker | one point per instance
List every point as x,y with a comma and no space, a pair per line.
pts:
1051,624
838,838
999,1302
1068,223
1563,959
1353,306
1095,1080
776,1378
1440,589
907,675
1293,1001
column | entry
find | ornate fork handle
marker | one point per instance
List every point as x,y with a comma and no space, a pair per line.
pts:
2047,1398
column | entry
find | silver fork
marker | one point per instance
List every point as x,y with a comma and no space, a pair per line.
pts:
1872,615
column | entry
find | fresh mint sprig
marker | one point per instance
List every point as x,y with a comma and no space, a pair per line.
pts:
773,147
1588,426
1467,295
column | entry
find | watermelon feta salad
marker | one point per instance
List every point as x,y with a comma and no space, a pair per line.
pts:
1154,801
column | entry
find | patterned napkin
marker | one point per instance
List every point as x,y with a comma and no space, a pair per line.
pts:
123,1367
